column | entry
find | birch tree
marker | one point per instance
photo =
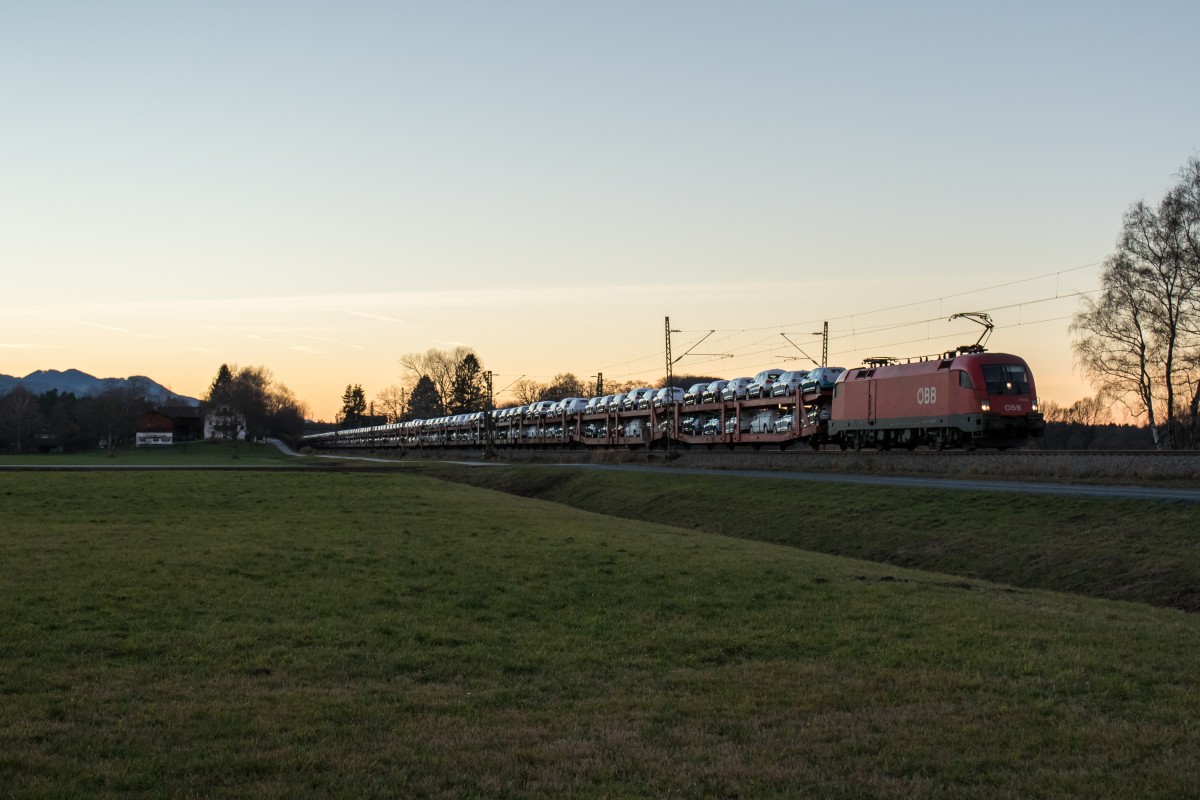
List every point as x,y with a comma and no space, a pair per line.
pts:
1138,341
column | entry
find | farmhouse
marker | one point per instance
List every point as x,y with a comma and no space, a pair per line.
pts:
169,425
224,423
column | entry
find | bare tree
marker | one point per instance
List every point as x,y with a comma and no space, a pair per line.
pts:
1052,411
563,385
393,402
527,391
1116,345
437,365
1187,198
1087,416
1139,341
616,387
285,413
1057,433
119,409
19,416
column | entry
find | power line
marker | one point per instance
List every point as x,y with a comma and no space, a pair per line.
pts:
740,353
918,302
929,338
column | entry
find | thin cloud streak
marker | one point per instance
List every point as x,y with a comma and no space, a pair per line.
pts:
375,316
331,341
115,329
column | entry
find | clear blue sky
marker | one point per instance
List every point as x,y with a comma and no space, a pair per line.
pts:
320,188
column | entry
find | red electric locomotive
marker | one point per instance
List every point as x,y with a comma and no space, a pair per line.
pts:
967,398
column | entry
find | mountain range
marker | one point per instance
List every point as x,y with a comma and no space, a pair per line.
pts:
82,385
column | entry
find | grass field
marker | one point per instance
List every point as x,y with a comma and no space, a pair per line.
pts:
385,634
191,454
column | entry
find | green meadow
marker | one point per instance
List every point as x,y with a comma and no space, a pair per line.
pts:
208,453
388,634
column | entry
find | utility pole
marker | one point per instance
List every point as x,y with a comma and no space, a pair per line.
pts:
599,384
488,429
671,390
670,367
824,334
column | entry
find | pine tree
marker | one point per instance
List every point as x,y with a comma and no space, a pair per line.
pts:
354,405
468,392
424,402
221,382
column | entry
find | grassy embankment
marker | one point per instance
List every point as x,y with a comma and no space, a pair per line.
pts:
1121,549
275,635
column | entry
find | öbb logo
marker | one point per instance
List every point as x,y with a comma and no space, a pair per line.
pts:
927,395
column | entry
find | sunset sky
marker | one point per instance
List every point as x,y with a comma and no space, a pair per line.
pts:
320,188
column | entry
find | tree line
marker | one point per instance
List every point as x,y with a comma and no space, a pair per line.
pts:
439,383
434,384
56,420
1138,340
62,421
250,403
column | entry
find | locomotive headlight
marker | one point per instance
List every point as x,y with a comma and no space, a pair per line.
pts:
985,405
1034,406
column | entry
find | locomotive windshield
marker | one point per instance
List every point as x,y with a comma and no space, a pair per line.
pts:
1005,379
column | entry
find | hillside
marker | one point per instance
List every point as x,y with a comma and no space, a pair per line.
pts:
81,384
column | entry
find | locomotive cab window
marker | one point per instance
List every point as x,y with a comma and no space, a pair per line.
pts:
964,380
1005,379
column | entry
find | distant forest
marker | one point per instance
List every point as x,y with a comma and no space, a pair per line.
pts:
55,421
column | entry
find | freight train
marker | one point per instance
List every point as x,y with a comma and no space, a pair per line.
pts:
965,398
